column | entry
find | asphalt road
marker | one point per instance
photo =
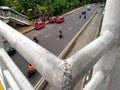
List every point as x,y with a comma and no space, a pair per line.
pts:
48,38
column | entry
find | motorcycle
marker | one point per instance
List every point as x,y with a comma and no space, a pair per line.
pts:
11,51
60,35
31,73
84,16
35,40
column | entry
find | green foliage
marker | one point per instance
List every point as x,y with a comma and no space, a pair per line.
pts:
42,8
45,7
2,3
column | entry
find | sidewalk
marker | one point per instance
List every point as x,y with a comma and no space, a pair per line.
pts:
25,29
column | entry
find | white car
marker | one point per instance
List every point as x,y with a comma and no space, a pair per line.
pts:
88,8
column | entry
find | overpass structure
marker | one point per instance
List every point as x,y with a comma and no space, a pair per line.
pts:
65,74
7,14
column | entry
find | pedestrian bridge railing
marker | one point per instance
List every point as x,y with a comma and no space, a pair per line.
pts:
65,74
7,14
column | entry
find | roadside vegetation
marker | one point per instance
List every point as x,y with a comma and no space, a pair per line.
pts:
43,9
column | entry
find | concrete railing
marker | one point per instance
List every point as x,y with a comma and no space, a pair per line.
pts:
2,83
64,74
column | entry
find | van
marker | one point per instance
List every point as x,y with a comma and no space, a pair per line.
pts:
52,19
60,19
39,25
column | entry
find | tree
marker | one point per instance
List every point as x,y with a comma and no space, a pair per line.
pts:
2,3
45,7
75,3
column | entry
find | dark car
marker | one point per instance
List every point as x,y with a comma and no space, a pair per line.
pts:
83,12
11,51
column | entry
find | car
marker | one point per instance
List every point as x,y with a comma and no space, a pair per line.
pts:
39,25
52,19
60,19
83,12
88,8
11,51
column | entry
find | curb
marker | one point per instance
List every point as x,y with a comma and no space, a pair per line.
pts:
41,84
72,11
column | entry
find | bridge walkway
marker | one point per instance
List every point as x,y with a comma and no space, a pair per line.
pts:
7,14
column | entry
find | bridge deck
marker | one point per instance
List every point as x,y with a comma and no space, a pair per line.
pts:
7,14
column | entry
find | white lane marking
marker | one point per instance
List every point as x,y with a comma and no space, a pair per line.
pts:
48,35
76,23
58,38
59,27
70,28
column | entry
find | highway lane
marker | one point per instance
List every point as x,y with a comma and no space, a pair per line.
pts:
69,28
48,38
23,64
